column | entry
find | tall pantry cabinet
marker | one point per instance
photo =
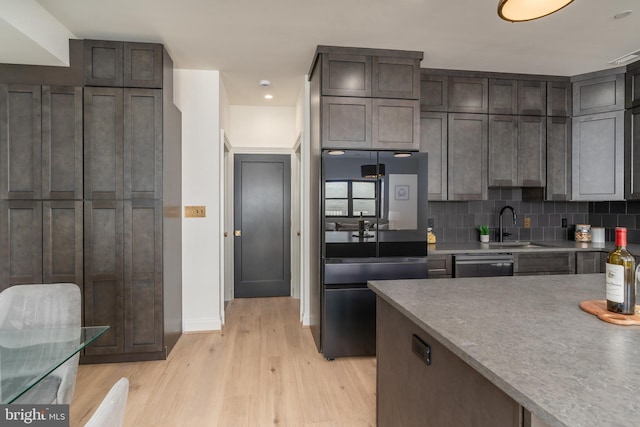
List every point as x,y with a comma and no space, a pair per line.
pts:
98,195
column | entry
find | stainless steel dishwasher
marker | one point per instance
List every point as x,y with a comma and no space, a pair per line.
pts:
483,265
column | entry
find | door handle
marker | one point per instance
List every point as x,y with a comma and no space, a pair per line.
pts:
226,234
298,233
237,233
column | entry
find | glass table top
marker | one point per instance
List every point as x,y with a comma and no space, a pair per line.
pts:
27,356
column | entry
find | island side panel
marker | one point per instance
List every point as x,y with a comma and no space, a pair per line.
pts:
447,393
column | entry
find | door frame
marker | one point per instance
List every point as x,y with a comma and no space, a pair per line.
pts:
227,293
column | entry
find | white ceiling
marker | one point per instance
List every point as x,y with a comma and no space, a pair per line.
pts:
250,40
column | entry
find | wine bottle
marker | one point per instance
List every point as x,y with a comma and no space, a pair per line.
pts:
361,225
620,276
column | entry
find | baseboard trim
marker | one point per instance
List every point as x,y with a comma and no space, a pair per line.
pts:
202,325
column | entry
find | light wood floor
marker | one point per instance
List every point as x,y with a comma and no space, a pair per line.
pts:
263,369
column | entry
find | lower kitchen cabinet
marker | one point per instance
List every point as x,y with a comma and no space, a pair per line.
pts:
448,392
590,262
530,264
40,242
123,278
440,266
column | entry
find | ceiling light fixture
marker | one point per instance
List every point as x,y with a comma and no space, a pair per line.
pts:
527,10
268,96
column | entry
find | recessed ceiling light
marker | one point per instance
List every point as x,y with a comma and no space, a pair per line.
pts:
623,14
402,154
268,96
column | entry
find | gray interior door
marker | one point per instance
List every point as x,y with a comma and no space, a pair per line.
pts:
262,225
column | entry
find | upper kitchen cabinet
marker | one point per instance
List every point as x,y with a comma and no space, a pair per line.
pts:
433,140
346,122
395,124
434,92
558,159
598,157
522,97
503,96
632,153
346,75
122,64
467,157
377,73
532,98
20,142
632,98
397,78
468,94
598,92
532,149
559,99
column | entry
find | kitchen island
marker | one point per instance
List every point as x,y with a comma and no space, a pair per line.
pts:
505,351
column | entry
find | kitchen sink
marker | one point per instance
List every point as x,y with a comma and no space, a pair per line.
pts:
515,244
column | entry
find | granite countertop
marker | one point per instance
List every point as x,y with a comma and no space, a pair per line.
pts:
528,336
542,246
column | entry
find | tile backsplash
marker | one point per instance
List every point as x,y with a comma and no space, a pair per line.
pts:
459,221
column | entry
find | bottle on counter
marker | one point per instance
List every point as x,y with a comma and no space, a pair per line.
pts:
620,276
361,225
431,238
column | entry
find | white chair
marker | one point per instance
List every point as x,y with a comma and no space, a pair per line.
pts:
110,413
24,307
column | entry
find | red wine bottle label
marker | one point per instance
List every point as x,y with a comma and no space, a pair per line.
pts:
615,283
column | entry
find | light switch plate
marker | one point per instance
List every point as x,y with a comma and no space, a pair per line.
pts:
195,211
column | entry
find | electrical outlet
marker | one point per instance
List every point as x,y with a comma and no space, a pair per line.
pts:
564,222
195,211
430,222
527,222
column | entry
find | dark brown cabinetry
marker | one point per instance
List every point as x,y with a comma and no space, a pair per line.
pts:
41,242
558,158
369,98
468,94
599,94
434,140
559,99
598,156
632,153
448,392
467,156
123,64
529,264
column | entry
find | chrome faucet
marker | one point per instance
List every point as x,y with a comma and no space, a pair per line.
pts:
513,212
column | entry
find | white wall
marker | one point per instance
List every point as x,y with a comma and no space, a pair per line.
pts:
197,95
262,127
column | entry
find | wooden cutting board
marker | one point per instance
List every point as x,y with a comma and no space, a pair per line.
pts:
599,309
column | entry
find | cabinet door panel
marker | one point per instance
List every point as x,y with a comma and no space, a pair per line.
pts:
397,78
434,93
598,157
598,95
20,142
632,153
62,156
20,242
142,65
468,95
532,98
346,75
142,143
395,124
433,140
467,161
103,143
346,122
632,89
62,243
103,63
143,275
503,150
532,151
104,287
559,99
503,96
558,158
